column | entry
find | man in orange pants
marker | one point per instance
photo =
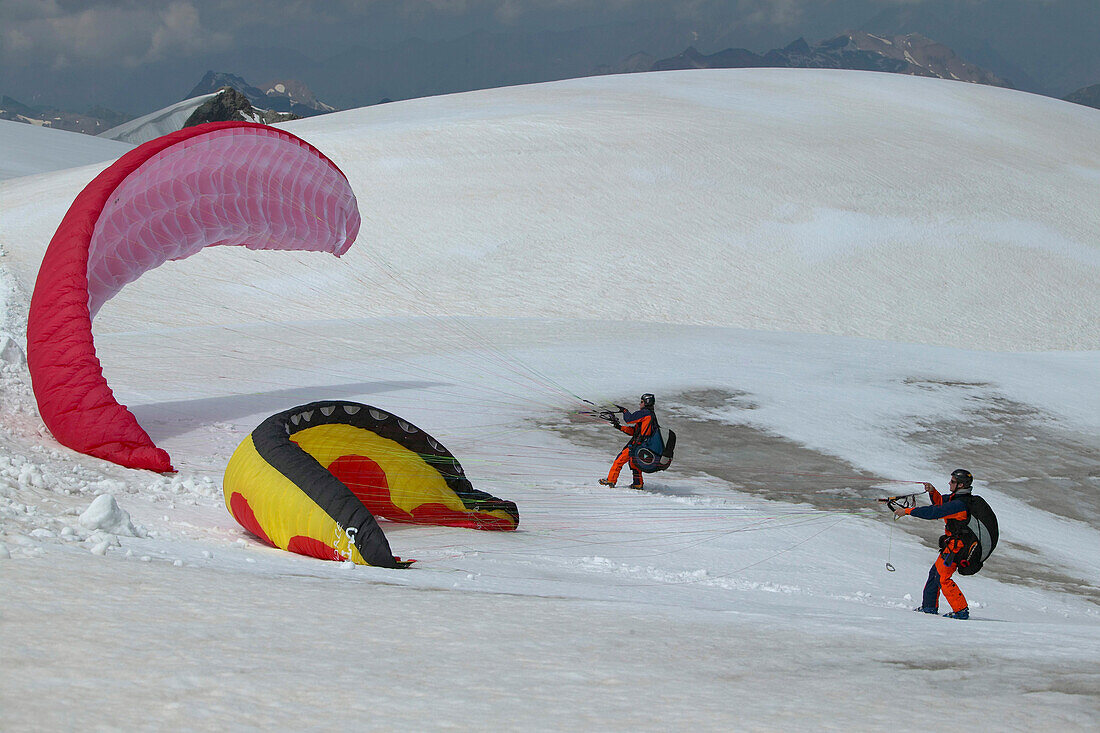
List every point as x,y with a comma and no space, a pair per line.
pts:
955,512
639,426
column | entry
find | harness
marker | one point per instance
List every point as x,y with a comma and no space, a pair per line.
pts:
648,447
641,436
959,527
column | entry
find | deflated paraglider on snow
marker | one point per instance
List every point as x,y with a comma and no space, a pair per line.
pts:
231,183
313,479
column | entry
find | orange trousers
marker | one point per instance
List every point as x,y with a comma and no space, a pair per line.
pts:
621,460
939,579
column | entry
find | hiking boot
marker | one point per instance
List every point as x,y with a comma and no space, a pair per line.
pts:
925,609
961,614
605,482
635,486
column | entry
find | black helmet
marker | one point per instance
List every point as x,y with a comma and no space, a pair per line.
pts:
648,400
963,478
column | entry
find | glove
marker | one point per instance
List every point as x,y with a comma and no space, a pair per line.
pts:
621,409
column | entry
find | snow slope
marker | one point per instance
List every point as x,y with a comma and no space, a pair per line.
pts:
835,282
28,149
153,125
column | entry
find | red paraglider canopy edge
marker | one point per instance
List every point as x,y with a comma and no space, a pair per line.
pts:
74,399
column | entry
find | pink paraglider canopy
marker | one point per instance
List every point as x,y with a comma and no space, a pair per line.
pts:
233,183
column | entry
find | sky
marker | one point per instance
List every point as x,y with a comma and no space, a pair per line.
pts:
136,57
855,282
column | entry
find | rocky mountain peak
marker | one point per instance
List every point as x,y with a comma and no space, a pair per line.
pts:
904,54
230,104
286,95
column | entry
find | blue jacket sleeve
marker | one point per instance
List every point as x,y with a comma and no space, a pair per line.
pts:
955,506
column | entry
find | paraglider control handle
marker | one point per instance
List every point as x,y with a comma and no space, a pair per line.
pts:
899,502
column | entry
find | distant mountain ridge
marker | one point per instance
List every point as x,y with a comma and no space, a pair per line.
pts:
219,97
858,50
288,97
92,122
1088,96
276,101
221,105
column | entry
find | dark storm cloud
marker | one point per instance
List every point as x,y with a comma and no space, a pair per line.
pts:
128,34
57,33
135,55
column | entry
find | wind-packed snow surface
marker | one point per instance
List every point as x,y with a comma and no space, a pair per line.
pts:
28,149
835,282
153,125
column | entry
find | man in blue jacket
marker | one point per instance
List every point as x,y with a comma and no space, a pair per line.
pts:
639,425
954,511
